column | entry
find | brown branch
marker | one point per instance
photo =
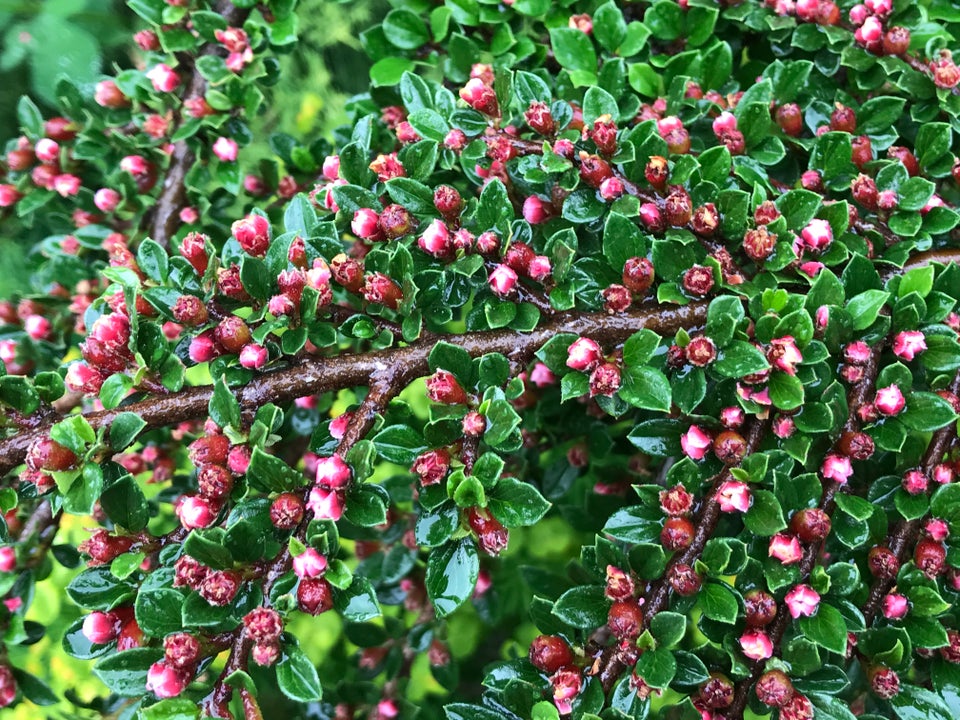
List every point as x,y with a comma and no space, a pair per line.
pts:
317,375
164,220
856,397
611,664
44,524
905,535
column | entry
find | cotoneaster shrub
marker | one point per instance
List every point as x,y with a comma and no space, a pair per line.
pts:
681,280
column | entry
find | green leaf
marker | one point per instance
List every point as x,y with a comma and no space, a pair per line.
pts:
927,412
799,207
865,307
573,49
358,603
765,516
223,407
668,628
646,388
516,503
740,358
718,603
463,711
158,611
916,703
172,709
639,347
97,589
786,391
270,473
657,667
584,606
126,672
297,677
879,114
451,575
404,29
74,433
125,504
826,628
635,524
399,444
598,102
124,430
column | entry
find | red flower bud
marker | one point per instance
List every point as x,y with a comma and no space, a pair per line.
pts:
625,620
47,454
233,333
253,234
442,387
758,243
790,119
698,280
638,275
314,596
883,563
539,118
286,512
774,688
220,587
684,580
810,525
677,534
760,608
549,653
930,556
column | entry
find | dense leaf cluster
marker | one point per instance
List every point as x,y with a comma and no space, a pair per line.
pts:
623,334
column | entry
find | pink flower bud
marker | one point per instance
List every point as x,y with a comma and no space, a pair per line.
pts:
695,442
871,31
651,217
784,354
802,601
890,400
106,199
84,379
474,424
366,224
203,348
817,235
908,344
100,627
325,504
253,356
165,681
612,188
480,97
534,210
238,459
107,94
435,239
858,13
333,472
785,548
9,195
584,354
734,496
915,482
47,150
196,512
225,149
309,564
455,140
338,426
443,387
502,280
732,417
431,466
66,185
822,316
784,426
331,167
937,529
8,558
943,474
539,268
566,686
756,645
253,234
837,468
605,380
163,77
37,327
135,165
725,122
895,606
542,376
